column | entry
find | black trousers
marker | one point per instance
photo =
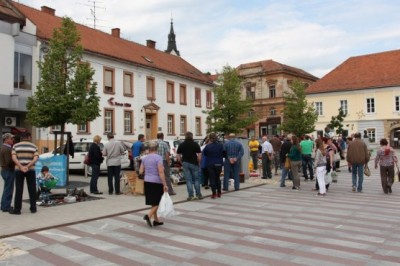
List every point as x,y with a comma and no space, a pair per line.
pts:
19,188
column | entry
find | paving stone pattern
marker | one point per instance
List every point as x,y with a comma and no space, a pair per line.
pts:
264,225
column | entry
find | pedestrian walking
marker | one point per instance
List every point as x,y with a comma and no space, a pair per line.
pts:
25,154
357,157
113,150
276,146
233,152
386,158
189,154
7,171
155,185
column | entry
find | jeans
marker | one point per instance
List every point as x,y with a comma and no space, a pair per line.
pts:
357,168
19,189
95,177
266,166
285,172
307,162
114,171
191,173
231,170
8,177
214,172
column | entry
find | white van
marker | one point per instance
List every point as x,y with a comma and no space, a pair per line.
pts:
81,148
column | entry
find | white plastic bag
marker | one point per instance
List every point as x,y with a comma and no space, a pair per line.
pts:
166,206
328,177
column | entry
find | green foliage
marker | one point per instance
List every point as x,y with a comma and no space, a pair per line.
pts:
230,112
299,116
66,92
336,121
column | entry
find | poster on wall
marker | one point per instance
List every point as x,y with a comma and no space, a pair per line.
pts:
57,166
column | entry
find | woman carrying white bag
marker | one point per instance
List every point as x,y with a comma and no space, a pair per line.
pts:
320,162
154,182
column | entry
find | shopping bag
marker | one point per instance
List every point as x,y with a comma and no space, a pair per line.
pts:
367,172
166,206
398,173
287,163
328,178
334,176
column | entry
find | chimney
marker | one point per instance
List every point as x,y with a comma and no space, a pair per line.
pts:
115,32
48,10
151,44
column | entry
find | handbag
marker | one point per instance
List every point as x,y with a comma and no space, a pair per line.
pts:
367,172
287,163
87,159
166,206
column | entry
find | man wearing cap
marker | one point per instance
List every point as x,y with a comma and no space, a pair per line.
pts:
233,152
113,150
7,171
24,154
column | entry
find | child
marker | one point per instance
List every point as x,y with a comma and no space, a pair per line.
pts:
46,182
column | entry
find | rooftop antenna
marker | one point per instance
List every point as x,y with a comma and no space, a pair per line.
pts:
93,4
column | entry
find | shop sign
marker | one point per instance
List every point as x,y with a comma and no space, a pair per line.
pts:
112,102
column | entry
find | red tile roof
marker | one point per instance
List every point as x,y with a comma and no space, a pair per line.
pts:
107,45
361,72
10,14
272,67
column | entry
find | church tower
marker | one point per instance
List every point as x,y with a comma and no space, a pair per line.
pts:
172,42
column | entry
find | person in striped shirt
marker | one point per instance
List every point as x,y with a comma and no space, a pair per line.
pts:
24,154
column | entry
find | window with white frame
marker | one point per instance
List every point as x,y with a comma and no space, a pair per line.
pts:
371,132
183,125
22,71
397,103
370,105
343,105
128,122
83,128
171,124
198,126
250,92
109,121
272,91
318,108
55,128
272,111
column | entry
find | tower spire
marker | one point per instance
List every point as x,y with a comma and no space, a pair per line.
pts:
171,49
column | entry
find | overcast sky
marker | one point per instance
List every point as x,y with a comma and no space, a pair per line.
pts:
314,35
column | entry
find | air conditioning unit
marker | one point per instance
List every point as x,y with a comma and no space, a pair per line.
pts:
10,121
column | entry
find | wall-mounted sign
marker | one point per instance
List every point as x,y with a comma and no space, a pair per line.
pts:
112,102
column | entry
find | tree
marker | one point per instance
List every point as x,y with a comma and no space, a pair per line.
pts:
299,116
336,121
66,92
230,112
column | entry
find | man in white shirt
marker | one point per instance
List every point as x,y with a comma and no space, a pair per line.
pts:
267,153
113,150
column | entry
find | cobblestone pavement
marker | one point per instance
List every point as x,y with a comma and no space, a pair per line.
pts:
263,225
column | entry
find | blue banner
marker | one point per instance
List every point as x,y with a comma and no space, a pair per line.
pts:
57,165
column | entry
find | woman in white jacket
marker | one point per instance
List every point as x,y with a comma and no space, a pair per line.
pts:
320,164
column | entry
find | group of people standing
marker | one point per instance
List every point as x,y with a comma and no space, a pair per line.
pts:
322,156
